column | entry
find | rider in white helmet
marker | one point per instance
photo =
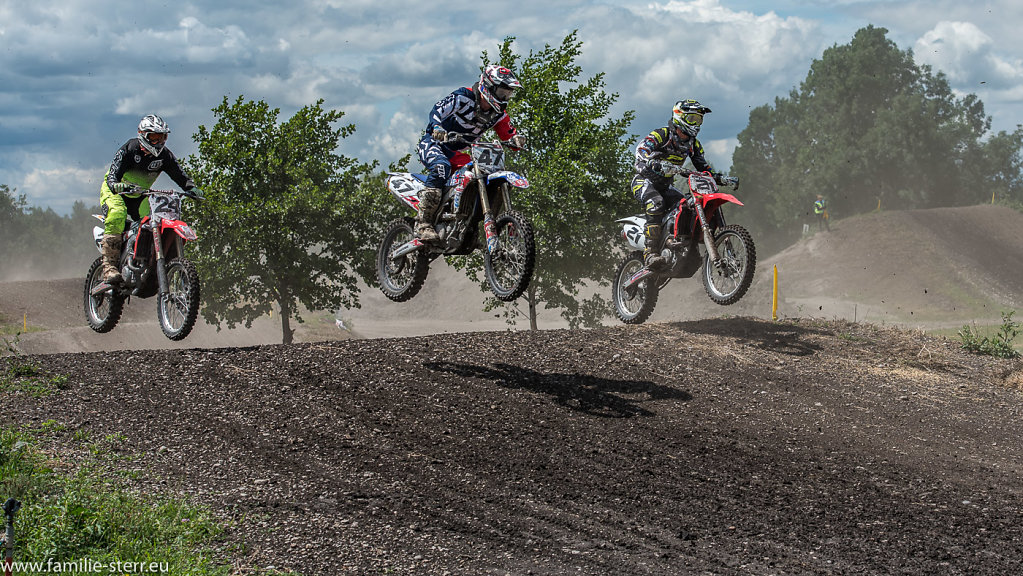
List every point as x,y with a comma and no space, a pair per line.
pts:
466,114
139,162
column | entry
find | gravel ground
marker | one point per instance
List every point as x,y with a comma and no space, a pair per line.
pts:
725,446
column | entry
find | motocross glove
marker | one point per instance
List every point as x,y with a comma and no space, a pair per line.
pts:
719,179
120,187
656,167
196,193
517,142
439,135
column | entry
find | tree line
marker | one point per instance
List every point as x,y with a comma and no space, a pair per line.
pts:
291,223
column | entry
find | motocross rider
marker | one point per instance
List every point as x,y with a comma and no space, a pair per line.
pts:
138,162
673,143
465,114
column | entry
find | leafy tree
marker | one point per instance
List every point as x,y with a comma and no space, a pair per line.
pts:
12,213
284,220
578,166
866,128
1002,161
34,241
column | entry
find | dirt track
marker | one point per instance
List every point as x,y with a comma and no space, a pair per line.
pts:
733,446
720,446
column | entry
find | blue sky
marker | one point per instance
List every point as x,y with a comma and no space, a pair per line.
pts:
76,76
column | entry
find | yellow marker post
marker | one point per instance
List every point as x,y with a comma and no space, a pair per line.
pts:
24,323
774,300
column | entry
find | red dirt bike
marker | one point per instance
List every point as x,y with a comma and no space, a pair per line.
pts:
695,235
152,264
477,193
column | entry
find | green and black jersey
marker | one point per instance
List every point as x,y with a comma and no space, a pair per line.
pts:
133,164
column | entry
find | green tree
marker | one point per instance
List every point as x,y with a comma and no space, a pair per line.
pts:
12,221
34,241
578,166
283,221
868,127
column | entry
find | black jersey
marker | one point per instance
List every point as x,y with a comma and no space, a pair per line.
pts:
133,164
660,145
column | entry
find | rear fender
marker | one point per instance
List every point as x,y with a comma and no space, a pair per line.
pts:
97,237
632,230
405,187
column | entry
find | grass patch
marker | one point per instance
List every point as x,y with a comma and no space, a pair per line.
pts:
84,515
999,344
14,327
20,375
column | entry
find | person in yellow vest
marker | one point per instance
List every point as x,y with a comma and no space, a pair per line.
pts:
820,208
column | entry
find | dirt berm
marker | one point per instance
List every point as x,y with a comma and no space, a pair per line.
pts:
726,446
694,444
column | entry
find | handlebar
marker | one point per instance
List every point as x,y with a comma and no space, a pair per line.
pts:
194,193
669,169
458,139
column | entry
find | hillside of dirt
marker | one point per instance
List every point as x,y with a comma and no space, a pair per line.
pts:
928,269
426,438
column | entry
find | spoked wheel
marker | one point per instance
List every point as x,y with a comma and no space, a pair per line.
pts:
635,304
510,267
729,281
401,278
179,307
103,310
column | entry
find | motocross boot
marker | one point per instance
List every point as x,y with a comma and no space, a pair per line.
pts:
652,259
111,258
428,205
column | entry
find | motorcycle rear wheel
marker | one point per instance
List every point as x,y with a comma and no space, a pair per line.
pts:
402,278
635,305
103,310
510,268
178,309
728,283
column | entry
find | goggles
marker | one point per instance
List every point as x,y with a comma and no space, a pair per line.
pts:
504,93
692,118
156,138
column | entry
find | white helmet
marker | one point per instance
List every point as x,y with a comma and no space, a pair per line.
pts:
497,86
153,133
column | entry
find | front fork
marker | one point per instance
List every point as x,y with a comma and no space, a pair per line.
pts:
708,234
489,226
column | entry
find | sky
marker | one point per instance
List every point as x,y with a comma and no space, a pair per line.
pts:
76,76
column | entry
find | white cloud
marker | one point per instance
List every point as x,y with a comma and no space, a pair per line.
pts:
60,188
399,138
967,55
88,65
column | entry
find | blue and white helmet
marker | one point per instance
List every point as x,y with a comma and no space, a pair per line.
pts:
153,133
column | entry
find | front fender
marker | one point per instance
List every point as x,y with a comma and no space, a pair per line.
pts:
180,228
720,198
513,178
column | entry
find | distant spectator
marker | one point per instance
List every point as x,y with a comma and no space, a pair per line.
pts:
820,208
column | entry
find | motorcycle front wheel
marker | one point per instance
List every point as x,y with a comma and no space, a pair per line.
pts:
178,309
635,304
103,310
401,278
729,281
510,267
